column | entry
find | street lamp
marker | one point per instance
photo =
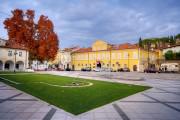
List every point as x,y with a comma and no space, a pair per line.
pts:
128,60
15,53
148,45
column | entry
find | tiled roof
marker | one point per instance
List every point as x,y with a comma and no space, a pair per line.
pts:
124,46
84,50
71,49
113,47
13,47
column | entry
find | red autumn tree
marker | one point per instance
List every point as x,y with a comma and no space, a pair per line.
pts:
48,40
15,28
39,39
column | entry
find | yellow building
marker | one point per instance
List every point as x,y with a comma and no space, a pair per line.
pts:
105,55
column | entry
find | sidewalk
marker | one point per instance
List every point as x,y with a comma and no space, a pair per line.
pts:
161,102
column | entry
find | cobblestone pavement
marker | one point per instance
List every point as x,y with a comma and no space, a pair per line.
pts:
162,102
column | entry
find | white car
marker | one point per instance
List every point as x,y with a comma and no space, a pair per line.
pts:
29,70
97,69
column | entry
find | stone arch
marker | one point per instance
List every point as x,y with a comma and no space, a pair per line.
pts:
20,65
1,65
9,65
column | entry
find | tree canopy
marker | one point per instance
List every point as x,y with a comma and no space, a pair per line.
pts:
38,38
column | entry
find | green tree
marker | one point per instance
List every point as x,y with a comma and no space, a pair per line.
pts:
169,55
140,42
178,55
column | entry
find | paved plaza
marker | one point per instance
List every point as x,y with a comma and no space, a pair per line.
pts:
161,102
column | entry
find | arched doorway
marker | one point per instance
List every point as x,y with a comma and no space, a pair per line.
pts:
98,65
134,67
9,65
1,65
20,65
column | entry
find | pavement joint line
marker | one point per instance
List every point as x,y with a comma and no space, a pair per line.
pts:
168,91
22,100
150,102
121,112
50,114
2,86
9,80
1,101
176,109
7,89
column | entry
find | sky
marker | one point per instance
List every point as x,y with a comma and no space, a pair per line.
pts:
81,22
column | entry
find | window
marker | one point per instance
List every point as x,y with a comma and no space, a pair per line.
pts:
125,55
119,56
113,65
86,64
135,55
9,53
107,65
82,65
113,56
20,54
78,64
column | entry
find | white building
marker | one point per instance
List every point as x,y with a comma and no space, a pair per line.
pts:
37,65
65,58
13,59
175,48
2,42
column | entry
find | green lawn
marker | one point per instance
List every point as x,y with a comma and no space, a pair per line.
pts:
75,100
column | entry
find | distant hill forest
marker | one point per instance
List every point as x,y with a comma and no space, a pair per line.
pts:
160,42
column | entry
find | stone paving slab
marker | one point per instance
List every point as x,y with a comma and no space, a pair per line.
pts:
159,103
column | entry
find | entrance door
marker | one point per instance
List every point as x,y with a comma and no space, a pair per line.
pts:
134,67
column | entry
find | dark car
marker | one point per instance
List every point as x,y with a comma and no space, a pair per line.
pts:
151,70
68,69
120,70
86,69
123,70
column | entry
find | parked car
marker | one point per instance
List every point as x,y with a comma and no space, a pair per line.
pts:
107,69
86,69
68,69
29,70
126,70
120,69
97,69
123,70
151,70
170,67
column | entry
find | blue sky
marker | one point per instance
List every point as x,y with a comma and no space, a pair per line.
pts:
80,22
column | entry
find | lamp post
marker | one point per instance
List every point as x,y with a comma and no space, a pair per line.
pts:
148,52
128,60
15,53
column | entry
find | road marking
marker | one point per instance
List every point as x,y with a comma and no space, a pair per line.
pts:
121,112
64,85
167,105
50,114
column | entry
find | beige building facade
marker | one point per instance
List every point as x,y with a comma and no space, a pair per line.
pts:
13,59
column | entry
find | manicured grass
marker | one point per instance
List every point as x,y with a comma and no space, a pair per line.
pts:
74,100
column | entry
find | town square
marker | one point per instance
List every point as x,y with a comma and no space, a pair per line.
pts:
89,60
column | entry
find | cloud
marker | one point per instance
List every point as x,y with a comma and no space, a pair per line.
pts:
80,22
